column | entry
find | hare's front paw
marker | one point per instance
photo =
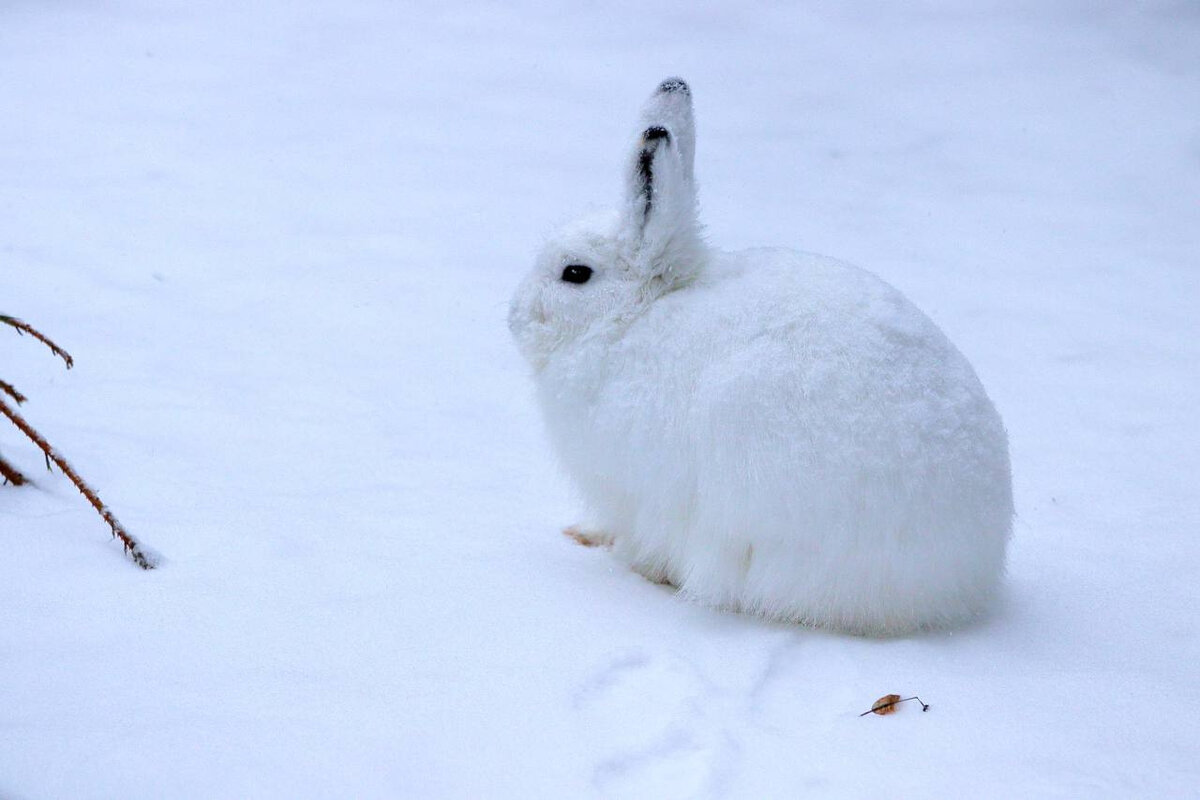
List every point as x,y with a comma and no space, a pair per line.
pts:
589,538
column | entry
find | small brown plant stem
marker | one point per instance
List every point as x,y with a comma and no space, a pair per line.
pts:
132,548
25,327
11,474
12,392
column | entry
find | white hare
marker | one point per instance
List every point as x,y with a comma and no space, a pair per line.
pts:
770,431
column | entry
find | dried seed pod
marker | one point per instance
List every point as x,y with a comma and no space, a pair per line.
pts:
886,704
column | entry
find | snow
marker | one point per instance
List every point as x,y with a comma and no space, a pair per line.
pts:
279,240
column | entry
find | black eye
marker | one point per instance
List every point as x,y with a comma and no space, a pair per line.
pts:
576,273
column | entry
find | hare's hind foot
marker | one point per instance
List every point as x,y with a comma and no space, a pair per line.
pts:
656,575
589,538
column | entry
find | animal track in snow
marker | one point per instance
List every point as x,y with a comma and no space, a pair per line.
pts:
650,720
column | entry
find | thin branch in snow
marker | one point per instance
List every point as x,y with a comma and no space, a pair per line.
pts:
25,327
11,474
132,548
11,391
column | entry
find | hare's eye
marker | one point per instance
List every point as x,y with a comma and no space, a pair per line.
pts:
576,273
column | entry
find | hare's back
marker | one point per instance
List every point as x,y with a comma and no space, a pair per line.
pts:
825,322
826,356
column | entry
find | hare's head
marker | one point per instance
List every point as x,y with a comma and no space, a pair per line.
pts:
604,269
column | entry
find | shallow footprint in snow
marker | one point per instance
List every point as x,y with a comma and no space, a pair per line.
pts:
644,715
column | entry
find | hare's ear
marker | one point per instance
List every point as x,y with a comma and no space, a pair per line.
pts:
660,222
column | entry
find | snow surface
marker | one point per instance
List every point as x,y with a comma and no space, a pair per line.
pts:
279,239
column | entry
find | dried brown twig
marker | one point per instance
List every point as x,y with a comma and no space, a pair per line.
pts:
143,558
135,551
25,327
11,391
11,474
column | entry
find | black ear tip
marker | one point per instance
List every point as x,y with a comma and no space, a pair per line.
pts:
674,86
654,133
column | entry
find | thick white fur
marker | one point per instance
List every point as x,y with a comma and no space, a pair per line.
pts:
770,431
